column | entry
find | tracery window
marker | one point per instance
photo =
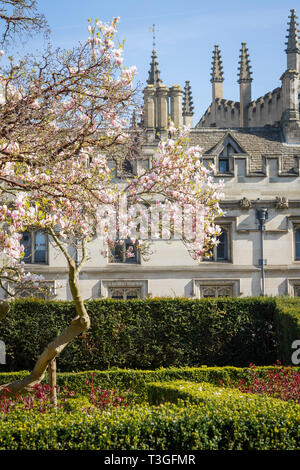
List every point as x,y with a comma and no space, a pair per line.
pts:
124,293
216,291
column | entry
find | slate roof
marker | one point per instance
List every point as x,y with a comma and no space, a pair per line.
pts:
256,142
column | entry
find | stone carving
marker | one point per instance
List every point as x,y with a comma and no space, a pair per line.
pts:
217,291
245,203
281,202
125,293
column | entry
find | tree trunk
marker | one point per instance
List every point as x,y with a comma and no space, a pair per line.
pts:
52,381
4,309
79,324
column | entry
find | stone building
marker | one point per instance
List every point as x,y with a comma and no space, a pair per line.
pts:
255,146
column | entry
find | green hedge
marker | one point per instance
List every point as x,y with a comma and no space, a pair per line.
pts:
145,334
222,423
287,324
138,380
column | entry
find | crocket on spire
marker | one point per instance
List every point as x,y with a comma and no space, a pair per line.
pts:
217,67
244,65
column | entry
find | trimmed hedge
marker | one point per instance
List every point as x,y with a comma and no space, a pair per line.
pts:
138,380
221,423
145,334
287,324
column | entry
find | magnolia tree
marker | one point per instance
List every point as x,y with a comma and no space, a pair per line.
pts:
20,18
61,123
54,115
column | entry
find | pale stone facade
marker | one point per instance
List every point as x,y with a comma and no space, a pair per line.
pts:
255,146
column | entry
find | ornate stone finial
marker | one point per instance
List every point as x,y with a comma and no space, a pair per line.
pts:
245,203
154,73
244,65
281,202
292,37
187,106
133,123
217,67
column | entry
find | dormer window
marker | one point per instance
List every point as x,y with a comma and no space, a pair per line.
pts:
223,165
224,156
225,150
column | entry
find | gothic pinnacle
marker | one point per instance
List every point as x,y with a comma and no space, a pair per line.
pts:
187,105
154,73
217,67
244,65
292,37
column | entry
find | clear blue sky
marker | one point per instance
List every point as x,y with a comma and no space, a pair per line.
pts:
187,33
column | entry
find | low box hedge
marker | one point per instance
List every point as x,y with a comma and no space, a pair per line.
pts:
199,423
137,380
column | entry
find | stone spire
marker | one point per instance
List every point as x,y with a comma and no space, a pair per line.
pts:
244,65
187,107
154,73
217,78
292,37
293,49
244,80
217,67
133,123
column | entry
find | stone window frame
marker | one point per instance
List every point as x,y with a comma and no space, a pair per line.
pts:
33,234
201,285
296,227
120,170
25,292
227,227
293,286
124,292
111,260
106,285
229,157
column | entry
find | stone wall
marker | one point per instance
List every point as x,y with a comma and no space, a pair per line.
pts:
266,110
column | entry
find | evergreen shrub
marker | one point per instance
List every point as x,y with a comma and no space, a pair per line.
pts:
154,333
